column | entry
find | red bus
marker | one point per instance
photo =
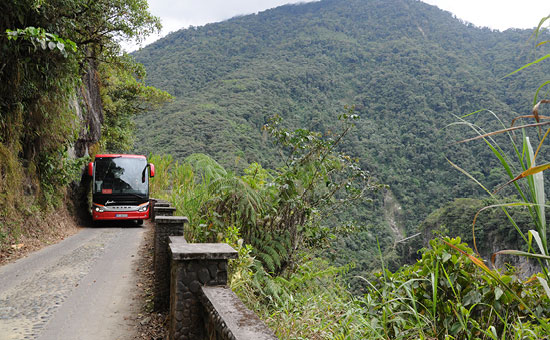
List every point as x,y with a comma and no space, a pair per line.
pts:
120,187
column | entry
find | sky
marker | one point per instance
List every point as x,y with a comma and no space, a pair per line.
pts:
496,14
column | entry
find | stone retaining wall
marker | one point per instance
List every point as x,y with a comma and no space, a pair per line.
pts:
165,226
191,279
194,266
201,305
228,318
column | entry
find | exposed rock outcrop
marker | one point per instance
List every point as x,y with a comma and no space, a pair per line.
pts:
88,107
89,110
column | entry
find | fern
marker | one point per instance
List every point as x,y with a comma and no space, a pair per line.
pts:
206,166
280,246
267,261
270,249
271,252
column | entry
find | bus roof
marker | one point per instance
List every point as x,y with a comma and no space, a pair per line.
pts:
118,155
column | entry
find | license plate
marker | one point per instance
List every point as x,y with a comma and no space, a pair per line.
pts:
121,215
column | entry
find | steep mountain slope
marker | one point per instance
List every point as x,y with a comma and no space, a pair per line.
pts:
406,66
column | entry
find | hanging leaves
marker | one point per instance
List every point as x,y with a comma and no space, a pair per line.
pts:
39,38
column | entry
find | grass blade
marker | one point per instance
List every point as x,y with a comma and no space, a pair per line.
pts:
513,128
536,182
435,280
529,172
502,205
544,285
518,253
493,196
534,234
528,65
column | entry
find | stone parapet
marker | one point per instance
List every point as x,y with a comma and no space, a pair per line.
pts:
201,251
194,266
229,319
165,226
163,211
202,307
155,202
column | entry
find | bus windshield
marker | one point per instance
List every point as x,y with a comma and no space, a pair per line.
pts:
121,175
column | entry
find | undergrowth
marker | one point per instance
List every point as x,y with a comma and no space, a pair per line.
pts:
443,296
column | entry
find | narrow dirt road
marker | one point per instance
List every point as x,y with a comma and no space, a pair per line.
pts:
82,288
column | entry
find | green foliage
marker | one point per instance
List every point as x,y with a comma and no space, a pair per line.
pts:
123,97
445,296
528,181
56,171
11,176
40,38
161,182
96,24
492,229
36,119
404,65
46,47
315,177
309,303
188,187
442,296
278,212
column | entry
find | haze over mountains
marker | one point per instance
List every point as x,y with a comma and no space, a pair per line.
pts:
407,67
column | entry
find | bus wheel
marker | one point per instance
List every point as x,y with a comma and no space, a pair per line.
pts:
139,222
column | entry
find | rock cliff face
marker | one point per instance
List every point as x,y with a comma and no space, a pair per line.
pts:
89,110
525,267
88,107
393,215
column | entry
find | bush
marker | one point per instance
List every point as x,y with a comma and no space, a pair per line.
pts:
446,296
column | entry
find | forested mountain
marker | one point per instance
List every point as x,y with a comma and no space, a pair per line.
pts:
407,67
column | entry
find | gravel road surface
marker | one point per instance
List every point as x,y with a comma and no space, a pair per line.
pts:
81,288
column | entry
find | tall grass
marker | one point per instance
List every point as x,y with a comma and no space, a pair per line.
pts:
441,297
528,180
445,296
188,186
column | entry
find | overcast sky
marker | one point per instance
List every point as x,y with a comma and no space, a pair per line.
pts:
496,14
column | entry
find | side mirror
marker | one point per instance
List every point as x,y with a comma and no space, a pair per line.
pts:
151,167
90,169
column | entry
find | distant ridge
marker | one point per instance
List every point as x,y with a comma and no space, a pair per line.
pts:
406,66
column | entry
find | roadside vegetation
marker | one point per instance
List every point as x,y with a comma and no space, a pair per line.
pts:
282,216
407,67
59,59
281,274
449,293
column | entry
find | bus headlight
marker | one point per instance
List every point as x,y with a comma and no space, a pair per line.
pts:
99,209
143,208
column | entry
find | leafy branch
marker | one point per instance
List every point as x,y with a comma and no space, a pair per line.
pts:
38,37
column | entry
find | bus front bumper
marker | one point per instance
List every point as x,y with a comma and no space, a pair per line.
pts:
103,213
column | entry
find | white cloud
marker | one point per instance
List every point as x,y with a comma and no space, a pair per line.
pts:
178,14
497,14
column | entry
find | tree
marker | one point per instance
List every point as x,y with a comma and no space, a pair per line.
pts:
46,48
283,212
124,95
